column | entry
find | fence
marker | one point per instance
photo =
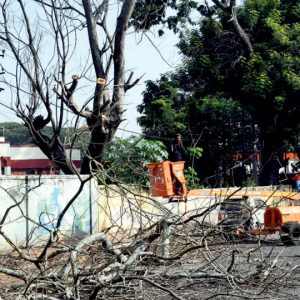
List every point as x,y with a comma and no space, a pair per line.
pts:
30,207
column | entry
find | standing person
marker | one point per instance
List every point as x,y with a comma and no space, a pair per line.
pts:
177,153
176,149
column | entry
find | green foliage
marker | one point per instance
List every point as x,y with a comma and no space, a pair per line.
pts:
222,89
190,173
127,159
266,84
195,152
218,106
17,134
256,80
162,109
192,179
171,14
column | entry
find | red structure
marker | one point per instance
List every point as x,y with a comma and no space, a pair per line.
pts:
29,159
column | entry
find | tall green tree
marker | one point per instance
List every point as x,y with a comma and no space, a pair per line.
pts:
163,111
262,77
268,83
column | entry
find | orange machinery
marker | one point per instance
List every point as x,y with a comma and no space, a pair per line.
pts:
274,222
282,219
163,176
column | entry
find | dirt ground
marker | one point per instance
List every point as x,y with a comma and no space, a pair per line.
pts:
8,283
187,277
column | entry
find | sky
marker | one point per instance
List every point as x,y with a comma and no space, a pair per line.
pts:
144,58
141,57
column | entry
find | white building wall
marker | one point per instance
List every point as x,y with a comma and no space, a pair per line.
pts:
4,149
75,154
6,171
26,152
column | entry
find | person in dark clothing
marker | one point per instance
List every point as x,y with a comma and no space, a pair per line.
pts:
177,153
176,149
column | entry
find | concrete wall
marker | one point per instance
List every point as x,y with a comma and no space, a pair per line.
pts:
32,200
29,201
35,200
131,208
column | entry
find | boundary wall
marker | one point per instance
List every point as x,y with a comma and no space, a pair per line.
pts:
29,201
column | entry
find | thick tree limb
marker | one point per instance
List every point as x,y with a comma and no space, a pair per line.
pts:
229,7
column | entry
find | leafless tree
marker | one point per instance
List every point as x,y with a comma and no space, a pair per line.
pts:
2,72
178,256
49,40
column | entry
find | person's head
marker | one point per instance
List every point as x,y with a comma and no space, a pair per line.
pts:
178,137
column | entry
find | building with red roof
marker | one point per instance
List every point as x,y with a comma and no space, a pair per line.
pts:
29,159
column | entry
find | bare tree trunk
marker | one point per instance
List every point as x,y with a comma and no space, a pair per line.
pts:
106,116
38,106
